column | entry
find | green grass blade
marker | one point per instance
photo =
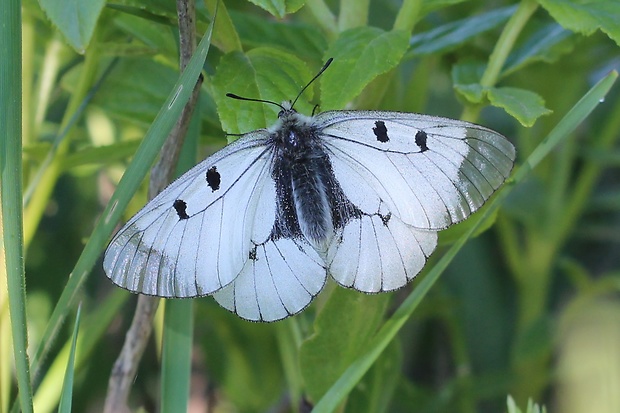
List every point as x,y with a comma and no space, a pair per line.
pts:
11,220
176,355
93,329
178,332
128,185
67,386
336,394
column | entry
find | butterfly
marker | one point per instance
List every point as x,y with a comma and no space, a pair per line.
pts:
355,195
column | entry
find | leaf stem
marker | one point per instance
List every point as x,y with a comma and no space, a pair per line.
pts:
502,49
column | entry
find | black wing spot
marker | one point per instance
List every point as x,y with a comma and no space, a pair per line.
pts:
381,131
214,179
386,218
252,254
420,140
181,207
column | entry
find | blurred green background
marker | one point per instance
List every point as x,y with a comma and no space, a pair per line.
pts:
528,308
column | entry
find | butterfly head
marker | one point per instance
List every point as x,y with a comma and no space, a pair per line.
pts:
286,109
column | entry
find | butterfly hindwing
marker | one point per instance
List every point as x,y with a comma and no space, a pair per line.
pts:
195,236
281,279
377,253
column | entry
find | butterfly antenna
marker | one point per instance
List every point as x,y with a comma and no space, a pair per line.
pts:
325,66
232,95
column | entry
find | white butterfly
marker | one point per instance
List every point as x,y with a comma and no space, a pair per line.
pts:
358,195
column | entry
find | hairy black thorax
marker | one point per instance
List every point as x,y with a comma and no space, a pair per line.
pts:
310,203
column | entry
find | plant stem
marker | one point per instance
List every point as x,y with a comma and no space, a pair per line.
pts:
11,187
323,16
353,13
408,15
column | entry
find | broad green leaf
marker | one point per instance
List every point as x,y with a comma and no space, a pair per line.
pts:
279,8
262,73
159,38
586,17
523,105
376,390
304,41
360,55
98,155
136,89
75,19
343,329
242,357
451,35
466,79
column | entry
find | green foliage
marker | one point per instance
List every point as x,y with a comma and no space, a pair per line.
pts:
494,321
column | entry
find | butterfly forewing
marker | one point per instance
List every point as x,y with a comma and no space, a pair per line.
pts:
195,236
431,172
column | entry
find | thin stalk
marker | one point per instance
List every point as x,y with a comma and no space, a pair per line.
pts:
323,17
353,13
408,15
11,187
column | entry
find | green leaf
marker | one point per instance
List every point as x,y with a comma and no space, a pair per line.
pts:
242,358
466,80
451,35
343,329
99,155
279,8
547,44
159,38
67,386
75,19
523,105
360,55
376,390
304,40
262,73
136,89
586,17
